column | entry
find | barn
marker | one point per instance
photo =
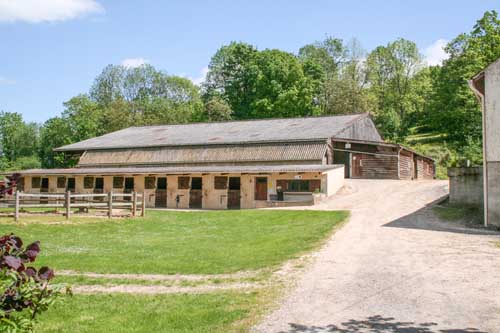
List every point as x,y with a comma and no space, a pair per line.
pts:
234,164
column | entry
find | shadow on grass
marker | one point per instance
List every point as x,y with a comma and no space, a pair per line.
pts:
426,219
377,324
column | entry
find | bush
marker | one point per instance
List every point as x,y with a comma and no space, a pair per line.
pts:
25,292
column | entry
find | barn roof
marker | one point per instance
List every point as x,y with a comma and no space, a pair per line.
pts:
270,152
182,170
230,132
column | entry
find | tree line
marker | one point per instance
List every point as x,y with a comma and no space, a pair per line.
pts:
407,98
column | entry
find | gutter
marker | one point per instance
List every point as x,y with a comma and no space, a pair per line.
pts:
481,98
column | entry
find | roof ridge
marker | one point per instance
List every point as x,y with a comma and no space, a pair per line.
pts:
357,115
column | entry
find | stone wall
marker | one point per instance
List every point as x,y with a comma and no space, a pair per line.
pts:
466,186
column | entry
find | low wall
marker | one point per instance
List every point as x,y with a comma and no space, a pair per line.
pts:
466,186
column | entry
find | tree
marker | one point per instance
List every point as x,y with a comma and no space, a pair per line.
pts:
454,108
391,70
144,96
342,76
216,109
55,133
259,84
18,139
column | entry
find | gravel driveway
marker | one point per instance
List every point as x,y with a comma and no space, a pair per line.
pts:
395,268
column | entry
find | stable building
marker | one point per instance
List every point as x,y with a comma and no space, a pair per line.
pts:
234,164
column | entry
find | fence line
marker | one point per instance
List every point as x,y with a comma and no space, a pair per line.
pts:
68,200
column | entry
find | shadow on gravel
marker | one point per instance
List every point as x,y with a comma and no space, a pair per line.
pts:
425,219
377,324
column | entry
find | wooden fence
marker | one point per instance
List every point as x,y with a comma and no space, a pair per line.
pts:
108,201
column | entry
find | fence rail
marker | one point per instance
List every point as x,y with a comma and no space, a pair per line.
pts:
134,201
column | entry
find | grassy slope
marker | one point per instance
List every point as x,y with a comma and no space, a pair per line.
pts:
433,145
179,242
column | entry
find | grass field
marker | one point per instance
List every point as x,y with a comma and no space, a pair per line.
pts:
464,213
117,313
177,242
171,243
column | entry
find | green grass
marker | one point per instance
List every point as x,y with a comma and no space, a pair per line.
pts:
465,213
117,313
177,242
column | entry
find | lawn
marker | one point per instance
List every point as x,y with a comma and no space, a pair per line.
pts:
177,242
171,242
117,313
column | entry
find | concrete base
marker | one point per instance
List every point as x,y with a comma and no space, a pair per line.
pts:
494,193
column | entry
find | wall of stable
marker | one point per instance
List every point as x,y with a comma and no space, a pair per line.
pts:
466,186
331,182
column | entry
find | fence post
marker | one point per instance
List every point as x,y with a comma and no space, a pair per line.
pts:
143,205
110,204
16,214
68,204
134,203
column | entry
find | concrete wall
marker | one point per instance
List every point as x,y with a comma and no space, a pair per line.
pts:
466,186
332,181
493,184
492,141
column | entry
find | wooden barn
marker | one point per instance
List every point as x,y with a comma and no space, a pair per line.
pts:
235,164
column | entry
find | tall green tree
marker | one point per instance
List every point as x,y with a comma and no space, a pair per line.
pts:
19,141
391,72
260,84
454,108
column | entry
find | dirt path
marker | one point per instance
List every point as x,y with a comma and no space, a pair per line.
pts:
395,268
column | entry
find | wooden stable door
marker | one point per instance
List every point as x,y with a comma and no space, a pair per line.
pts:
161,192
357,165
234,193
196,193
261,188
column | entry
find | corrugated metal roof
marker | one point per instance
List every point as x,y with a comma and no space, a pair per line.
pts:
305,151
232,132
183,170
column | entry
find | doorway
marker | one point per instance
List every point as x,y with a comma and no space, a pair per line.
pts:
234,193
129,187
196,193
161,192
99,185
357,165
261,188
44,188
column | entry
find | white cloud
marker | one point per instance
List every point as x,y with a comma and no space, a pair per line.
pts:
5,81
133,62
201,78
434,54
36,11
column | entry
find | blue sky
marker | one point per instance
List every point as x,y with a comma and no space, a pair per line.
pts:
51,50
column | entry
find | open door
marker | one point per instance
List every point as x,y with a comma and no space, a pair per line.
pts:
357,165
129,187
234,193
161,192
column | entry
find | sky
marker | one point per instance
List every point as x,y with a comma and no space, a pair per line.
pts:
52,50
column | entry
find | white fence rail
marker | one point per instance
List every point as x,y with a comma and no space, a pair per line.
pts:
134,201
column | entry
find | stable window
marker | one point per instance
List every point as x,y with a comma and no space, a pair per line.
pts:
162,183
118,182
220,183
61,182
196,183
298,186
88,182
234,183
36,182
149,183
183,183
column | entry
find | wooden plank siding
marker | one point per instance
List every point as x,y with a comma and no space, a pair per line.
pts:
375,166
406,166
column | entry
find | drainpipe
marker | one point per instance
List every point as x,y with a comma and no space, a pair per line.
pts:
480,96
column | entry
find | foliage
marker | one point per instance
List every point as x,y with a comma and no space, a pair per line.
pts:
454,107
260,84
216,109
25,291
